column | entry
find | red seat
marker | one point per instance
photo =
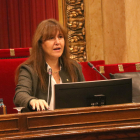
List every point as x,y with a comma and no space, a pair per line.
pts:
15,53
7,83
117,68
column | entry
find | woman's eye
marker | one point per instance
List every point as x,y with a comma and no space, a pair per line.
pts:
60,36
51,37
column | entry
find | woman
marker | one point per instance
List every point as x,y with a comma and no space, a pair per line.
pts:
50,51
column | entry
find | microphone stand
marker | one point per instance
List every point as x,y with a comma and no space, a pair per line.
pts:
49,87
92,66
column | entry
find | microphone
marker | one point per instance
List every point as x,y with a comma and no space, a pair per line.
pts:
49,87
92,66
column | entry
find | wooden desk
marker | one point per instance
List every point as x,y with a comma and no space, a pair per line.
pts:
106,122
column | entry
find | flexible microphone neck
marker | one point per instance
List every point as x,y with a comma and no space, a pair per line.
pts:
92,66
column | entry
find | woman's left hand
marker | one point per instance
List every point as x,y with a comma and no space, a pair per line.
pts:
38,104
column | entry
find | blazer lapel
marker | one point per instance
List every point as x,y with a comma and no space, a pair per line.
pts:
64,77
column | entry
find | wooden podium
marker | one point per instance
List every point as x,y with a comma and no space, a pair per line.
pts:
118,122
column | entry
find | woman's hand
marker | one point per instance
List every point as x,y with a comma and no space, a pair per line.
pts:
38,104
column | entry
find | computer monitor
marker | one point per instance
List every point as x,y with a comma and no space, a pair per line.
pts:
93,93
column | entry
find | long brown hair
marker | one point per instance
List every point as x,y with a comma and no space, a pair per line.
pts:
37,58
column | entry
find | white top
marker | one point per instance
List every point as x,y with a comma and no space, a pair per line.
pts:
53,82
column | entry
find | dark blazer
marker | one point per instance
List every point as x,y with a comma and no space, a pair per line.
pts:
28,85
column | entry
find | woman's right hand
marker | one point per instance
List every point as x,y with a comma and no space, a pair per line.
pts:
38,104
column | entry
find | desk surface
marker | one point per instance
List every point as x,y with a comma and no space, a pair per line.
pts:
106,122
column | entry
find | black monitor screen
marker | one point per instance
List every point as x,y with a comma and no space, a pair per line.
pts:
93,93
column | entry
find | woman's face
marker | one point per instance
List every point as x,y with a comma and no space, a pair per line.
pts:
54,46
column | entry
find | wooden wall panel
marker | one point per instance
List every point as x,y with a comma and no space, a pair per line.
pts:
114,31
132,14
60,9
94,32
